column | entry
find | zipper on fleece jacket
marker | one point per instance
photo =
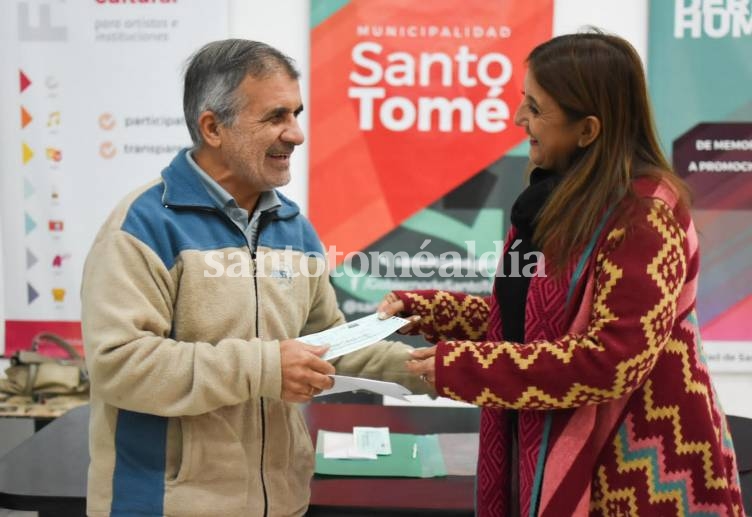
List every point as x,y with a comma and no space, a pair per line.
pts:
263,413
256,319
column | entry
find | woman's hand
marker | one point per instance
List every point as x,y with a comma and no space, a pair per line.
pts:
423,363
393,306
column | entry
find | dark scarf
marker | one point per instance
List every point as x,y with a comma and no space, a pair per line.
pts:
511,289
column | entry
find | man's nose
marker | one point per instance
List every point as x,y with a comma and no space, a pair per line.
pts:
293,134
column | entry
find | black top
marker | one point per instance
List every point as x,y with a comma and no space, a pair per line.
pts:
510,284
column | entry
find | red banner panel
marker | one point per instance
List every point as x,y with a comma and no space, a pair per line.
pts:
409,99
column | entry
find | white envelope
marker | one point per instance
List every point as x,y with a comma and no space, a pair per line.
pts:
344,384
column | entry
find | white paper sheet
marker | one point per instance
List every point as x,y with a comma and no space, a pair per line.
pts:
372,440
354,335
341,446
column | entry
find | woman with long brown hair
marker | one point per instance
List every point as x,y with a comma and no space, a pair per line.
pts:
595,394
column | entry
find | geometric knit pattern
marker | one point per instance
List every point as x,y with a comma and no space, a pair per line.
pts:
530,426
666,270
663,486
449,315
666,450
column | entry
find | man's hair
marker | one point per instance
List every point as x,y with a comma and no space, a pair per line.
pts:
215,71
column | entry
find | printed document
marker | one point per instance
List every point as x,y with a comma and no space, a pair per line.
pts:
354,335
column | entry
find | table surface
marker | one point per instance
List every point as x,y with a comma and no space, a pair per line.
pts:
48,471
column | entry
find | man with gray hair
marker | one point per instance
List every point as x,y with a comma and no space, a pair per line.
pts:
195,367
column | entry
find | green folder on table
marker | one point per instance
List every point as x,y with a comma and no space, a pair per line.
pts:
427,461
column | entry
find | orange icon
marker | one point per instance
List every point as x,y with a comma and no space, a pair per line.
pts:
25,117
58,294
107,150
54,154
106,121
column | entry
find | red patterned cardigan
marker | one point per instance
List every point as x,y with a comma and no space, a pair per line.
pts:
612,386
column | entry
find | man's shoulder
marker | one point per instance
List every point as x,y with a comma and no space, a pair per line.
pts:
144,197
113,225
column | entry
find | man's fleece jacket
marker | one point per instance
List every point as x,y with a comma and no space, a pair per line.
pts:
182,323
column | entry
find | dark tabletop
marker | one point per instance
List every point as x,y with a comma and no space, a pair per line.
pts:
47,472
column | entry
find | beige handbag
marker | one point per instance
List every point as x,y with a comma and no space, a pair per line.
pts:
35,375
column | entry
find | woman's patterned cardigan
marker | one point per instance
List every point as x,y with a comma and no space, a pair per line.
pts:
617,413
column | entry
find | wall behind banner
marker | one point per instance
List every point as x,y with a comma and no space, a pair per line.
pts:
285,24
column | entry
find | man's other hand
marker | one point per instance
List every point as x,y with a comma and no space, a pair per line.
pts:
304,373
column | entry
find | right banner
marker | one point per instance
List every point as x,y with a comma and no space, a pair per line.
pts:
700,75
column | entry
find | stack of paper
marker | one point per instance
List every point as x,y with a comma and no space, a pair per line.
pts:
364,443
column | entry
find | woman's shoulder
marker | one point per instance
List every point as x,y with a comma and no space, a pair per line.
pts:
656,186
658,203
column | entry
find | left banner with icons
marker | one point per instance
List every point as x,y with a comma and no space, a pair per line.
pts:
91,93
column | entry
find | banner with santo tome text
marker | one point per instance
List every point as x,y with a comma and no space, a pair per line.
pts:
414,156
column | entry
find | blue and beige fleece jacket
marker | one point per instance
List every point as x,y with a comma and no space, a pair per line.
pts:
186,415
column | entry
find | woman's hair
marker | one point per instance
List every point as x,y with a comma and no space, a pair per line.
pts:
600,75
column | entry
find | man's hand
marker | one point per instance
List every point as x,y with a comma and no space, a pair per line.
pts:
391,306
304,373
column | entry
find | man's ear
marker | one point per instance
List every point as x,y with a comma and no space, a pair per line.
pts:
208,126
591,129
